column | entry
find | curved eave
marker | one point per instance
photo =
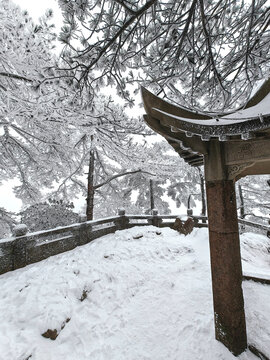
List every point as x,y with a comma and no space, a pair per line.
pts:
262,92
179,119
188,132
244,128
152,101
190,150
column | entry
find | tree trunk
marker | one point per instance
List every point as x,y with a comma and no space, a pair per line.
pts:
188,202
152,203
203,213
90,187
242,206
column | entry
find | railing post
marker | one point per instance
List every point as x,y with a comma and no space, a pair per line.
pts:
196,221
19,246
82,218
83,231
156,220
122,222
189,212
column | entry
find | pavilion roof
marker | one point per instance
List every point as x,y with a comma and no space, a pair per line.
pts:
188,132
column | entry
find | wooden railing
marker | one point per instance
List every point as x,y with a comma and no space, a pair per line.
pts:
27,248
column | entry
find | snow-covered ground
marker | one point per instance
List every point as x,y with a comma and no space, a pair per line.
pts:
138,294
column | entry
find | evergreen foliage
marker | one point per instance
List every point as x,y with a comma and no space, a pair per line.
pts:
254,202
49,215
201,53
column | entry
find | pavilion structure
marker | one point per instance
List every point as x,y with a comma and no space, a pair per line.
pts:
230,146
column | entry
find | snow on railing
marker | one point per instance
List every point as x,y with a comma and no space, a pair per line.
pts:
26,248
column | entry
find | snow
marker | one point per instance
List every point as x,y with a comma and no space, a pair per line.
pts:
217,122
262,108
254,248
258,111
129,295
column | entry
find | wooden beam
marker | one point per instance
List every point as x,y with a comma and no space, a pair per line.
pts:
259,168
238,152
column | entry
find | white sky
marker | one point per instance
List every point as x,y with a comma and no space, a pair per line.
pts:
37,8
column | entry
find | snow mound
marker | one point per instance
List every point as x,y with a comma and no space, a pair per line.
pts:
124,297
255,249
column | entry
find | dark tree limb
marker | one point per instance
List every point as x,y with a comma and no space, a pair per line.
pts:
120,175
14,76
138,13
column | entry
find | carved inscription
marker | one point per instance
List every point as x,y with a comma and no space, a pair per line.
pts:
247,151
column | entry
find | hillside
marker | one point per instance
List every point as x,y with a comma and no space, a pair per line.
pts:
138,294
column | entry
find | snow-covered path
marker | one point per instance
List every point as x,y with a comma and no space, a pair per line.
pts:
138,294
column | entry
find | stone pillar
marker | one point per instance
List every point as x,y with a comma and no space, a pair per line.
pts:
84,231
156,220
19,246
123,221
226,268
189,212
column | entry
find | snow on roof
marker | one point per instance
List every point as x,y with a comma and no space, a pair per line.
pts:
208,129
212,122
261,109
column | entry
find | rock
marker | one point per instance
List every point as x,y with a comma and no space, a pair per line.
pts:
137,236
184,227
84,295
50,334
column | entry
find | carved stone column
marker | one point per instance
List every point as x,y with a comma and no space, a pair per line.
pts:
230,325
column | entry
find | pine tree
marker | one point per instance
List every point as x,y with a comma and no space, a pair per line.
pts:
48,215
203,54
253,197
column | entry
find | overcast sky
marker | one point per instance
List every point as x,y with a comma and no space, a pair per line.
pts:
37,8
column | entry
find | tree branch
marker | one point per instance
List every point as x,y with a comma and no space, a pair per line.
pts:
14,76
122,3
119,32
120,175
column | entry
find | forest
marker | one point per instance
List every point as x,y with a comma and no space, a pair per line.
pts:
69,102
